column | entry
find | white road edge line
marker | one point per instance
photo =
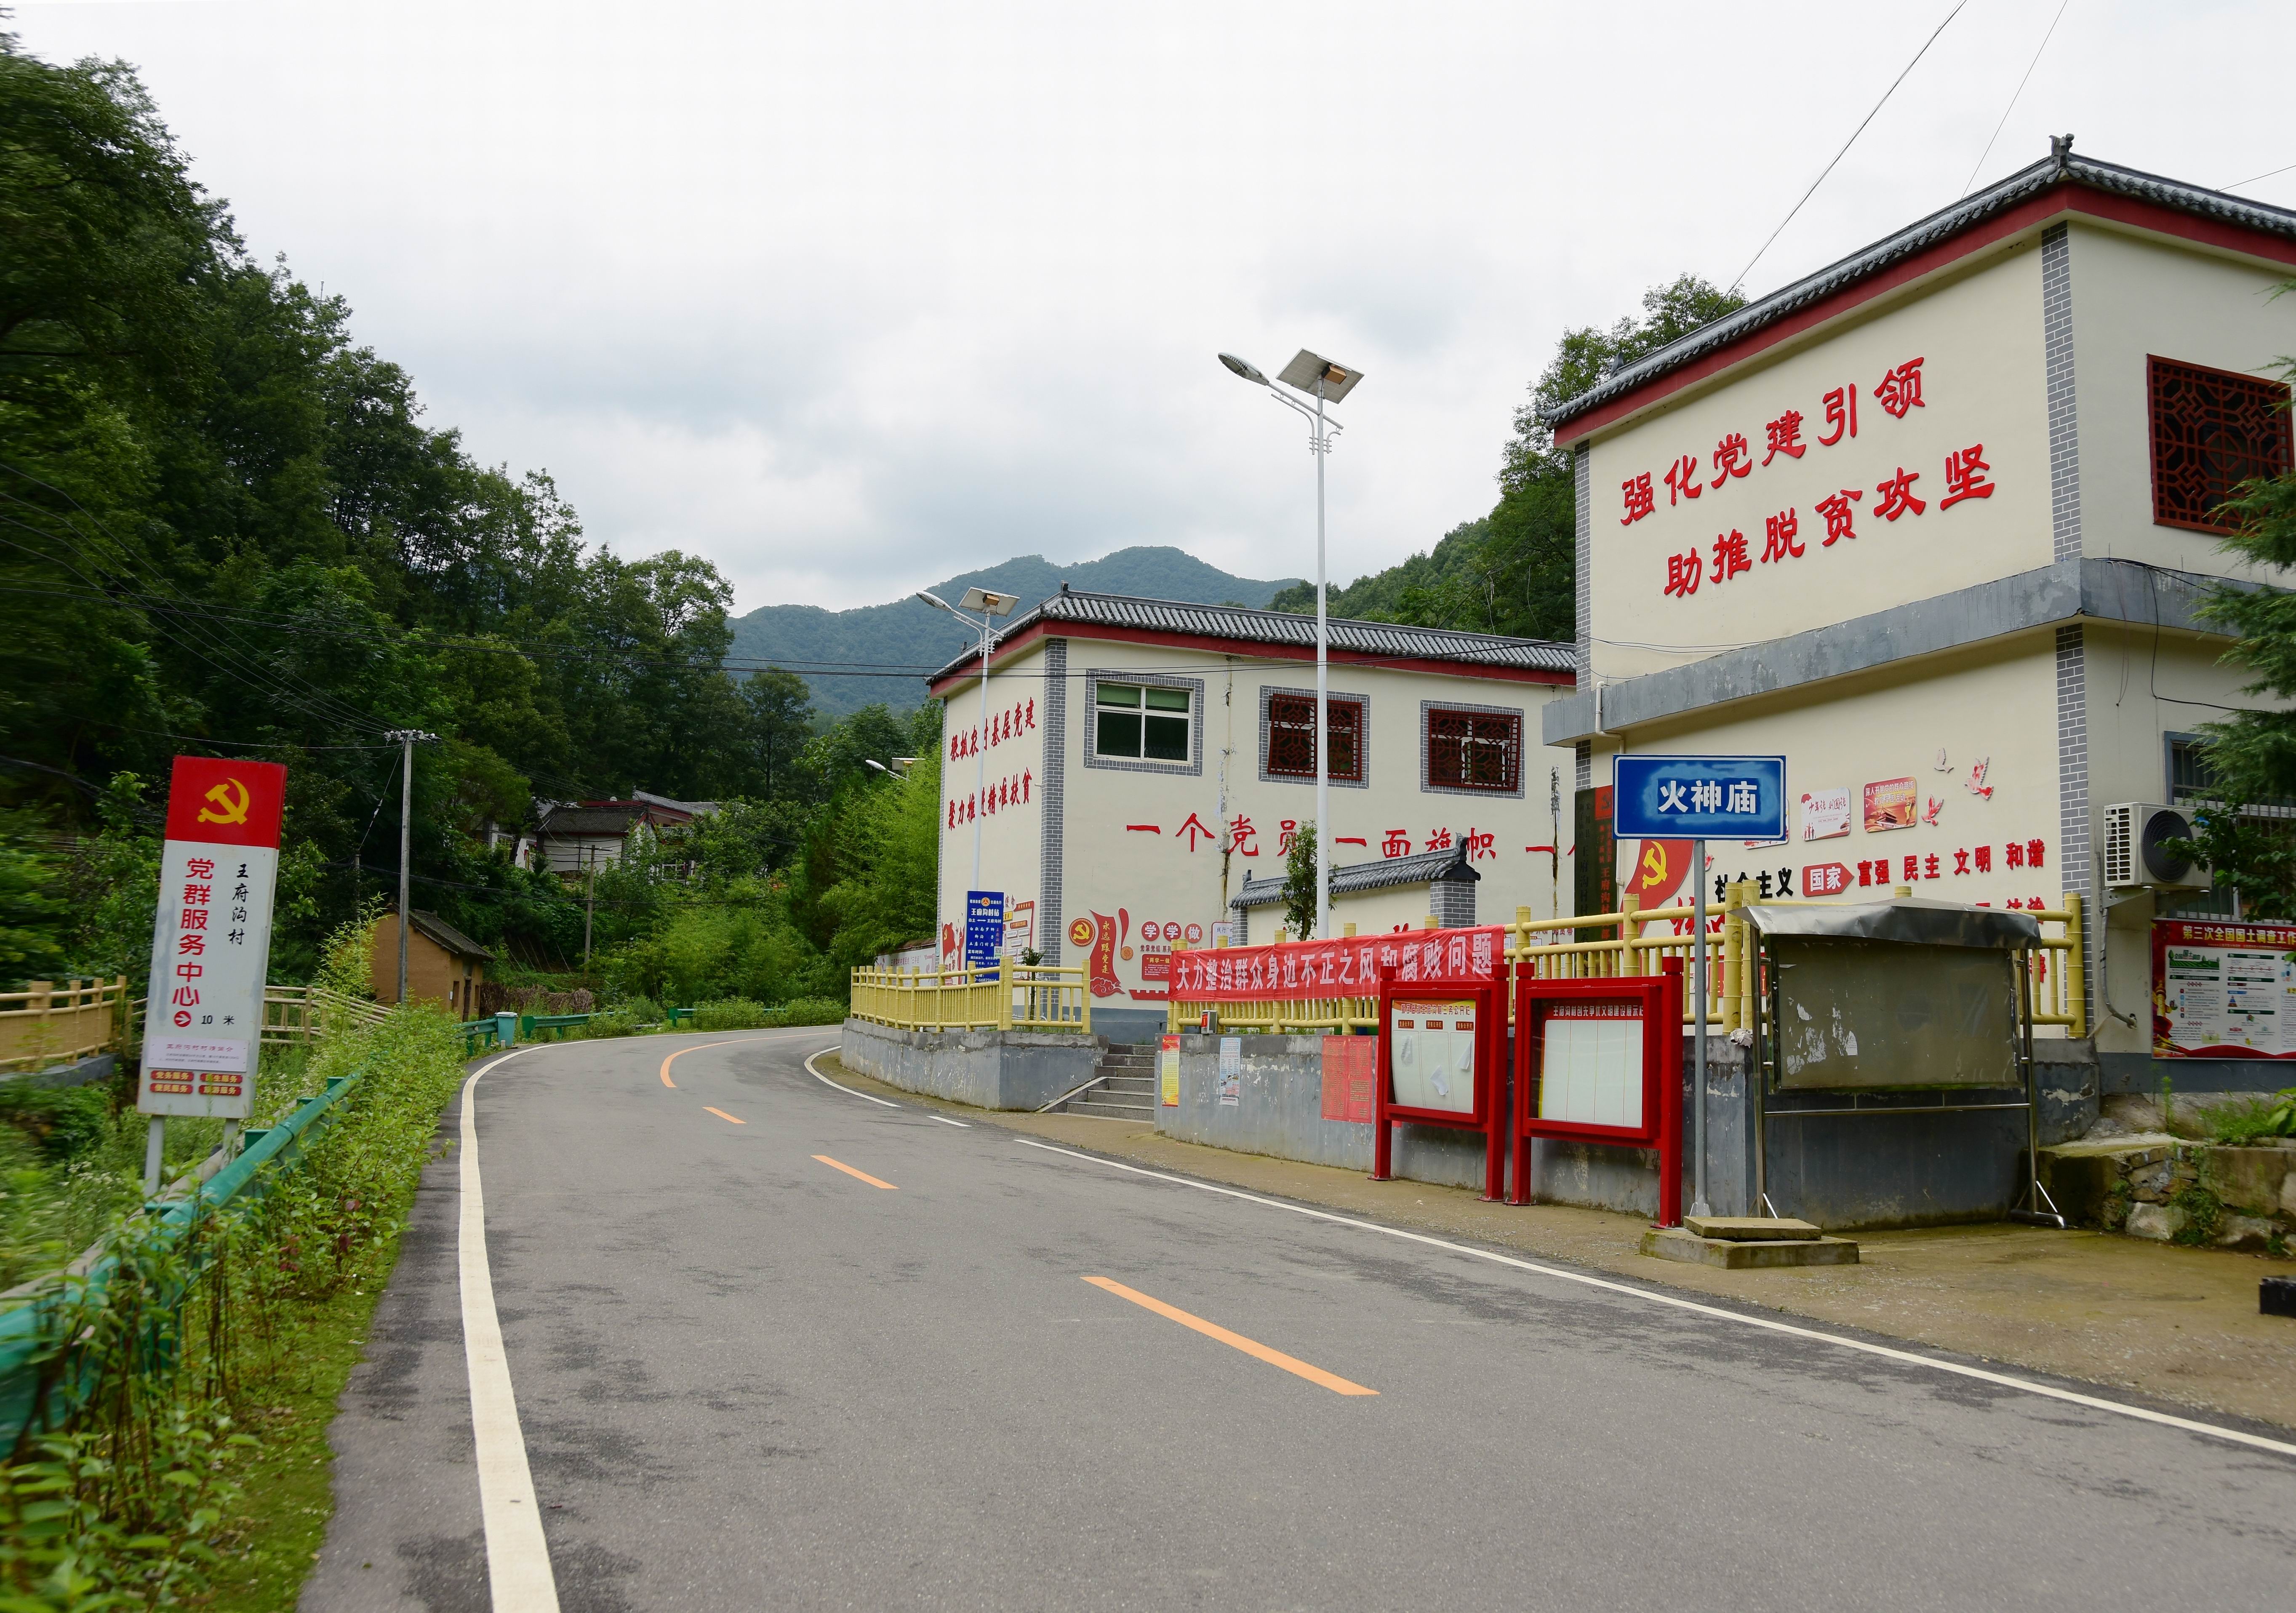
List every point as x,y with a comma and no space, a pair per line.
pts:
847,1091
519,1579
2141,1413
944,1120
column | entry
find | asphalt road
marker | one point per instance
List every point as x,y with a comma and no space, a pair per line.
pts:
748,1380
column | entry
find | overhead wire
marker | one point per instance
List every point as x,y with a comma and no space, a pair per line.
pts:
254,667
2020,90
1846,144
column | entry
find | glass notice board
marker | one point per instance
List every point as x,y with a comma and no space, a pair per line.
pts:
1591,1064
1866,1015
1433,1056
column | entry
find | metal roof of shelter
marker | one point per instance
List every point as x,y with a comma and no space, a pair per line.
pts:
2061,167
1350,878
1242,623
1913,920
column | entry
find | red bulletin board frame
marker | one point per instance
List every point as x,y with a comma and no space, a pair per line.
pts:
1659,997
1490,1011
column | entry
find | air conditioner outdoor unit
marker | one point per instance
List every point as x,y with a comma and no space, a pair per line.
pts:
2135,858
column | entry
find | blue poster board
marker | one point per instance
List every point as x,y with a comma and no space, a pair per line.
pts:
1698,798
984,927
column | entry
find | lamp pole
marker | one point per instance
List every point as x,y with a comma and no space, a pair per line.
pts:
1329,382
407,738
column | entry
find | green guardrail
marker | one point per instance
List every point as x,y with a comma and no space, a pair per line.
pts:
27,1345
675,1016
529,1025
479,1035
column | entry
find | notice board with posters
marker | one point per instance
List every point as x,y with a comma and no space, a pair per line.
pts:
2223,989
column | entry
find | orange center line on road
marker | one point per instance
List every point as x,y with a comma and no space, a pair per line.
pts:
696,1048
722,1114
860,1175
1250,1347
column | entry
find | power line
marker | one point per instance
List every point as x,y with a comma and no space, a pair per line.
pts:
255,668
1846,144
2020,90
2252,178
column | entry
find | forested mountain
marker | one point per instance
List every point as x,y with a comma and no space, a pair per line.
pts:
887,647
226,528
1515,570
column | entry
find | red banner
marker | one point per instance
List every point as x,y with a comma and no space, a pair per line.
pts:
1305,970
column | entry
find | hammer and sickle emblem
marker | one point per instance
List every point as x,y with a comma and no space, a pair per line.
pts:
1653,863
226,809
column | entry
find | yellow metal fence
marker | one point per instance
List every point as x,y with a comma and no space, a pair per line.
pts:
1598,946
1015,998
1601,946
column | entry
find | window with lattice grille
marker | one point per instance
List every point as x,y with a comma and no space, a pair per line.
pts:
1475,749
1291,738
2212,430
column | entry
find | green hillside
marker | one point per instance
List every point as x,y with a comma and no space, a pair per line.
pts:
889,648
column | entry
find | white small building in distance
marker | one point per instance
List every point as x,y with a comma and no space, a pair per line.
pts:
1141,760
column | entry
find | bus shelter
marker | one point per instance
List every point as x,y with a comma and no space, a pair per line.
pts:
1893,1061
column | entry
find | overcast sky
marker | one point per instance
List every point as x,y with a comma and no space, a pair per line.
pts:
847,297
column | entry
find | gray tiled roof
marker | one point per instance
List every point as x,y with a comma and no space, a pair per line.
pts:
2019,187
453,939
1282,627
1347,879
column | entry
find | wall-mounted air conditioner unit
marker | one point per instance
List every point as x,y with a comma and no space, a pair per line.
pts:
2135,858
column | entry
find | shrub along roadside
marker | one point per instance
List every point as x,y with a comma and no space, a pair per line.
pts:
739,1013
182,1467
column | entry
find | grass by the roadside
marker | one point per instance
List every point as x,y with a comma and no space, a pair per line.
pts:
279,1519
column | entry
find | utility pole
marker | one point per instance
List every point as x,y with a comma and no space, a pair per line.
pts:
407,738
589,901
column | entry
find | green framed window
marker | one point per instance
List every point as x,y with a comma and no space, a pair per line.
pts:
1140,721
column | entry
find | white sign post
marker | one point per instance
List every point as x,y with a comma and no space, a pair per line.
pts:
210,945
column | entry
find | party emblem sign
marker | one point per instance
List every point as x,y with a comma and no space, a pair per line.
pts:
211,943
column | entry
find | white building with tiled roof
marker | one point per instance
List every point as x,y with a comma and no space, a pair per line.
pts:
1934,523
1144,758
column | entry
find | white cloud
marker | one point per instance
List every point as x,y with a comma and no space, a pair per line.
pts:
848,297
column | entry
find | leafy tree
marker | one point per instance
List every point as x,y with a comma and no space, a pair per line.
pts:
2251,756
1300,883
225,525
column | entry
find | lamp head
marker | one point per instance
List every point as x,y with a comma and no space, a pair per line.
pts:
1244,368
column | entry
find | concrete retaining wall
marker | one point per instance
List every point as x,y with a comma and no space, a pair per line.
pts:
1279,1112
987,1068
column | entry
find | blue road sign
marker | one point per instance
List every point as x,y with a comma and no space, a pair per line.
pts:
1698,798
984,925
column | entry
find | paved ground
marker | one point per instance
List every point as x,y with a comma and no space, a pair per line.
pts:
749,1379
2175,1325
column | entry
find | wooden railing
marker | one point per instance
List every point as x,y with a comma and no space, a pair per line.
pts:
301,1013
1604,945
290,1013
54,1024
1016,997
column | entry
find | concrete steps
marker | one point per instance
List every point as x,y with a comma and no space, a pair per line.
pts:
1128,1087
